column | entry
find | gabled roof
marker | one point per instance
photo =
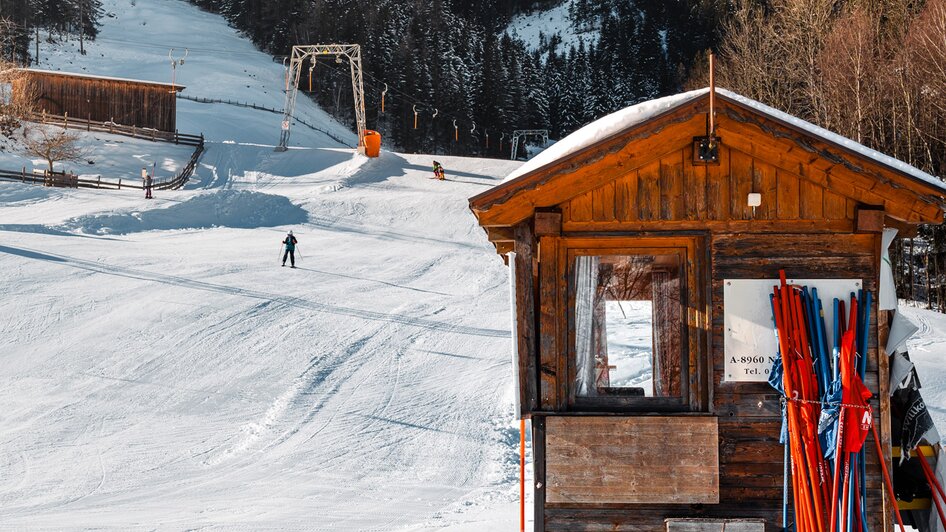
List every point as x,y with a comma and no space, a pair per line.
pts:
176,87
623,127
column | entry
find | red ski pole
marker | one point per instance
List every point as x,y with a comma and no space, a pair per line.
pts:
926,466
936,491
887,481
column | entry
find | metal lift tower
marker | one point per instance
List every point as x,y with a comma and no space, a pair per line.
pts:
299,55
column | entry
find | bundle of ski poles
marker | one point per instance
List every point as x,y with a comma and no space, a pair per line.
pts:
826,415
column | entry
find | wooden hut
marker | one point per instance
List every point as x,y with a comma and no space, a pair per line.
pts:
129,102
628,237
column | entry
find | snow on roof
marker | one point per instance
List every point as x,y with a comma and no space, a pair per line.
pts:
603,128
109,78
834,138
619,121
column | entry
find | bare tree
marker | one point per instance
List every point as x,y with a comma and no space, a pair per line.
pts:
15,97
52,144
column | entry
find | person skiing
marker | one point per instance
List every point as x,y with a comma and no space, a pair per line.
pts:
146,182
290,243
438,171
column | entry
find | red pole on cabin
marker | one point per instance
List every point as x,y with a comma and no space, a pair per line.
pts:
936,491
522,475
936,484
887,482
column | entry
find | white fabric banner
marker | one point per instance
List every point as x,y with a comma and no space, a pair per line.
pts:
888,290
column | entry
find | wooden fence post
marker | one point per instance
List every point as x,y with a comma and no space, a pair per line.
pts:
119,183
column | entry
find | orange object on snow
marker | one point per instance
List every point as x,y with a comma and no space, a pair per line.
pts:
372,143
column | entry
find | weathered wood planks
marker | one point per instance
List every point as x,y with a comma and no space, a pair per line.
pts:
606,460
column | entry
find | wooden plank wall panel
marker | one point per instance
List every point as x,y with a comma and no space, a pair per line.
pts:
788,195
694,187
835,207
764,182
580,208
648,192
671,187
649,518
625,198
548,323
750,456
717,186
602,203
811,200
740,177
614,460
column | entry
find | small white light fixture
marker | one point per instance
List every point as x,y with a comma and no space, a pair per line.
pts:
755,199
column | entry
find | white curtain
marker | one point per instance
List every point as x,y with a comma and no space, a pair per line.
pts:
586,285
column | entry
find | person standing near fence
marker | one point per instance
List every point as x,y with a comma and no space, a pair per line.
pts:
146,182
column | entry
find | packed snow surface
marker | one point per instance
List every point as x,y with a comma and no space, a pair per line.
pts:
628,117
158,375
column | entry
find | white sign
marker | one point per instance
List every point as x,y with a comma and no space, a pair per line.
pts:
749,332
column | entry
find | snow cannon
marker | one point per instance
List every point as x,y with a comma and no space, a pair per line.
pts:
372,143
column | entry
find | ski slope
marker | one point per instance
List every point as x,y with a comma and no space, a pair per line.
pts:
178,377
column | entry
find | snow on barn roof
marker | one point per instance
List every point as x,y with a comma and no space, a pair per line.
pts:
619,121
176,86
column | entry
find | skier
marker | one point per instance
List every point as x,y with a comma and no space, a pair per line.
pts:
438,171
146,182
290,243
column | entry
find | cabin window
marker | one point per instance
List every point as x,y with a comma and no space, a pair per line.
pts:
628,323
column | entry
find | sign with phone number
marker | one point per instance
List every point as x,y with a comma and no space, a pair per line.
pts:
749,334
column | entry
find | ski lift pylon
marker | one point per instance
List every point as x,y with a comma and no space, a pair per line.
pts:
415,116
383,93
456,131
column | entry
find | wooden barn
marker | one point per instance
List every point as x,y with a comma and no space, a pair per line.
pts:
128,102
645,246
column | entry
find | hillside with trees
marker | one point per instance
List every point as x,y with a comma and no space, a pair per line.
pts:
873,71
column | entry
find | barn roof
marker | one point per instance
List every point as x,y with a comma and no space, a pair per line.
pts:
176,86
648,118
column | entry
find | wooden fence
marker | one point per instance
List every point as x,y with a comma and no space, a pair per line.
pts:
119,129
69,180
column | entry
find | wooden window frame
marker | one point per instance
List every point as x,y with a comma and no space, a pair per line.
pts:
693,359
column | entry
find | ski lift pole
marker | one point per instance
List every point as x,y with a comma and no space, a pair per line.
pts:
456,132
415,116
383,93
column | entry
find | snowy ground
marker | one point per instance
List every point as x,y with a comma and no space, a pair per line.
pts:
161,370
161,375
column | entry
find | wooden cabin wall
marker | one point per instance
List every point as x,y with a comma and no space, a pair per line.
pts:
751,458
700,197
123,102
801,227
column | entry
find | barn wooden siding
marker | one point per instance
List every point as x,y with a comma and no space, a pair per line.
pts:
125,102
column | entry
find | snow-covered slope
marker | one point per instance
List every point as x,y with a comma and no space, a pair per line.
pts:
163,376
533,28
135,40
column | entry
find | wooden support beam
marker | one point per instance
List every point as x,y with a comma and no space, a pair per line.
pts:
501,233
904,229
869,220
548,224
